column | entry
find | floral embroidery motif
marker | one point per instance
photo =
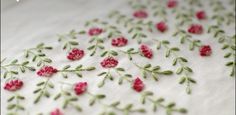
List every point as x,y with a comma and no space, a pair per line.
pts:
140,14
109,62
47,71
201,15
95,31
146,51
161,26
195,29
56,112
138,85
80,88
13,85
172,3
119,42
205,50
75,54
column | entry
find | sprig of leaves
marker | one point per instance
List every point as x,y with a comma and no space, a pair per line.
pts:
183,70
96,43
37,54
130,52
109,53
77,70
68,100
69,40
184,16
159,103
14,67
185,37
159,10
136,28
228,45
119,71
154,71
14,105
42,90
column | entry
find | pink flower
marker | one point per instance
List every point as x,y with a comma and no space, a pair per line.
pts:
146,51
140,14
118,42
172,3
47,71
13,85
95,31
195,29
205,50
80,88
161,26
138,85
200,15
75,54
109,62
56,112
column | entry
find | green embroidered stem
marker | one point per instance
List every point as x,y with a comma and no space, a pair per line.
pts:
126,110
38,55
158,103
14,107
69,40
42,90
98,44
109,53
14,67
118,71
159,10
153,71
129,52
185,37
66,69
183,16
68,100
228,45
135,28
183,69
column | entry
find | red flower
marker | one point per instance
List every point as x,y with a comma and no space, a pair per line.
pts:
205,50
75,54
47,71
80,88
201,15
120,41
146,51
195,29
172,3
95,31
140,14
161,26
56,112
138,85
13,85
109,62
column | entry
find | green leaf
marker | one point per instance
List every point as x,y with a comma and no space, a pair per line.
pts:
91,47
100,74
11,106
175,49
66,67
167,72
100,96
170,105
147,66
92,101
182,80
167,53
227,55
90,68
78,108
104,53
57,96
188,69
183,110
11,98
120,69
73,43
229,63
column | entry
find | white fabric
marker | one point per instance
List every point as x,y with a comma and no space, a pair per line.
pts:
29,22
